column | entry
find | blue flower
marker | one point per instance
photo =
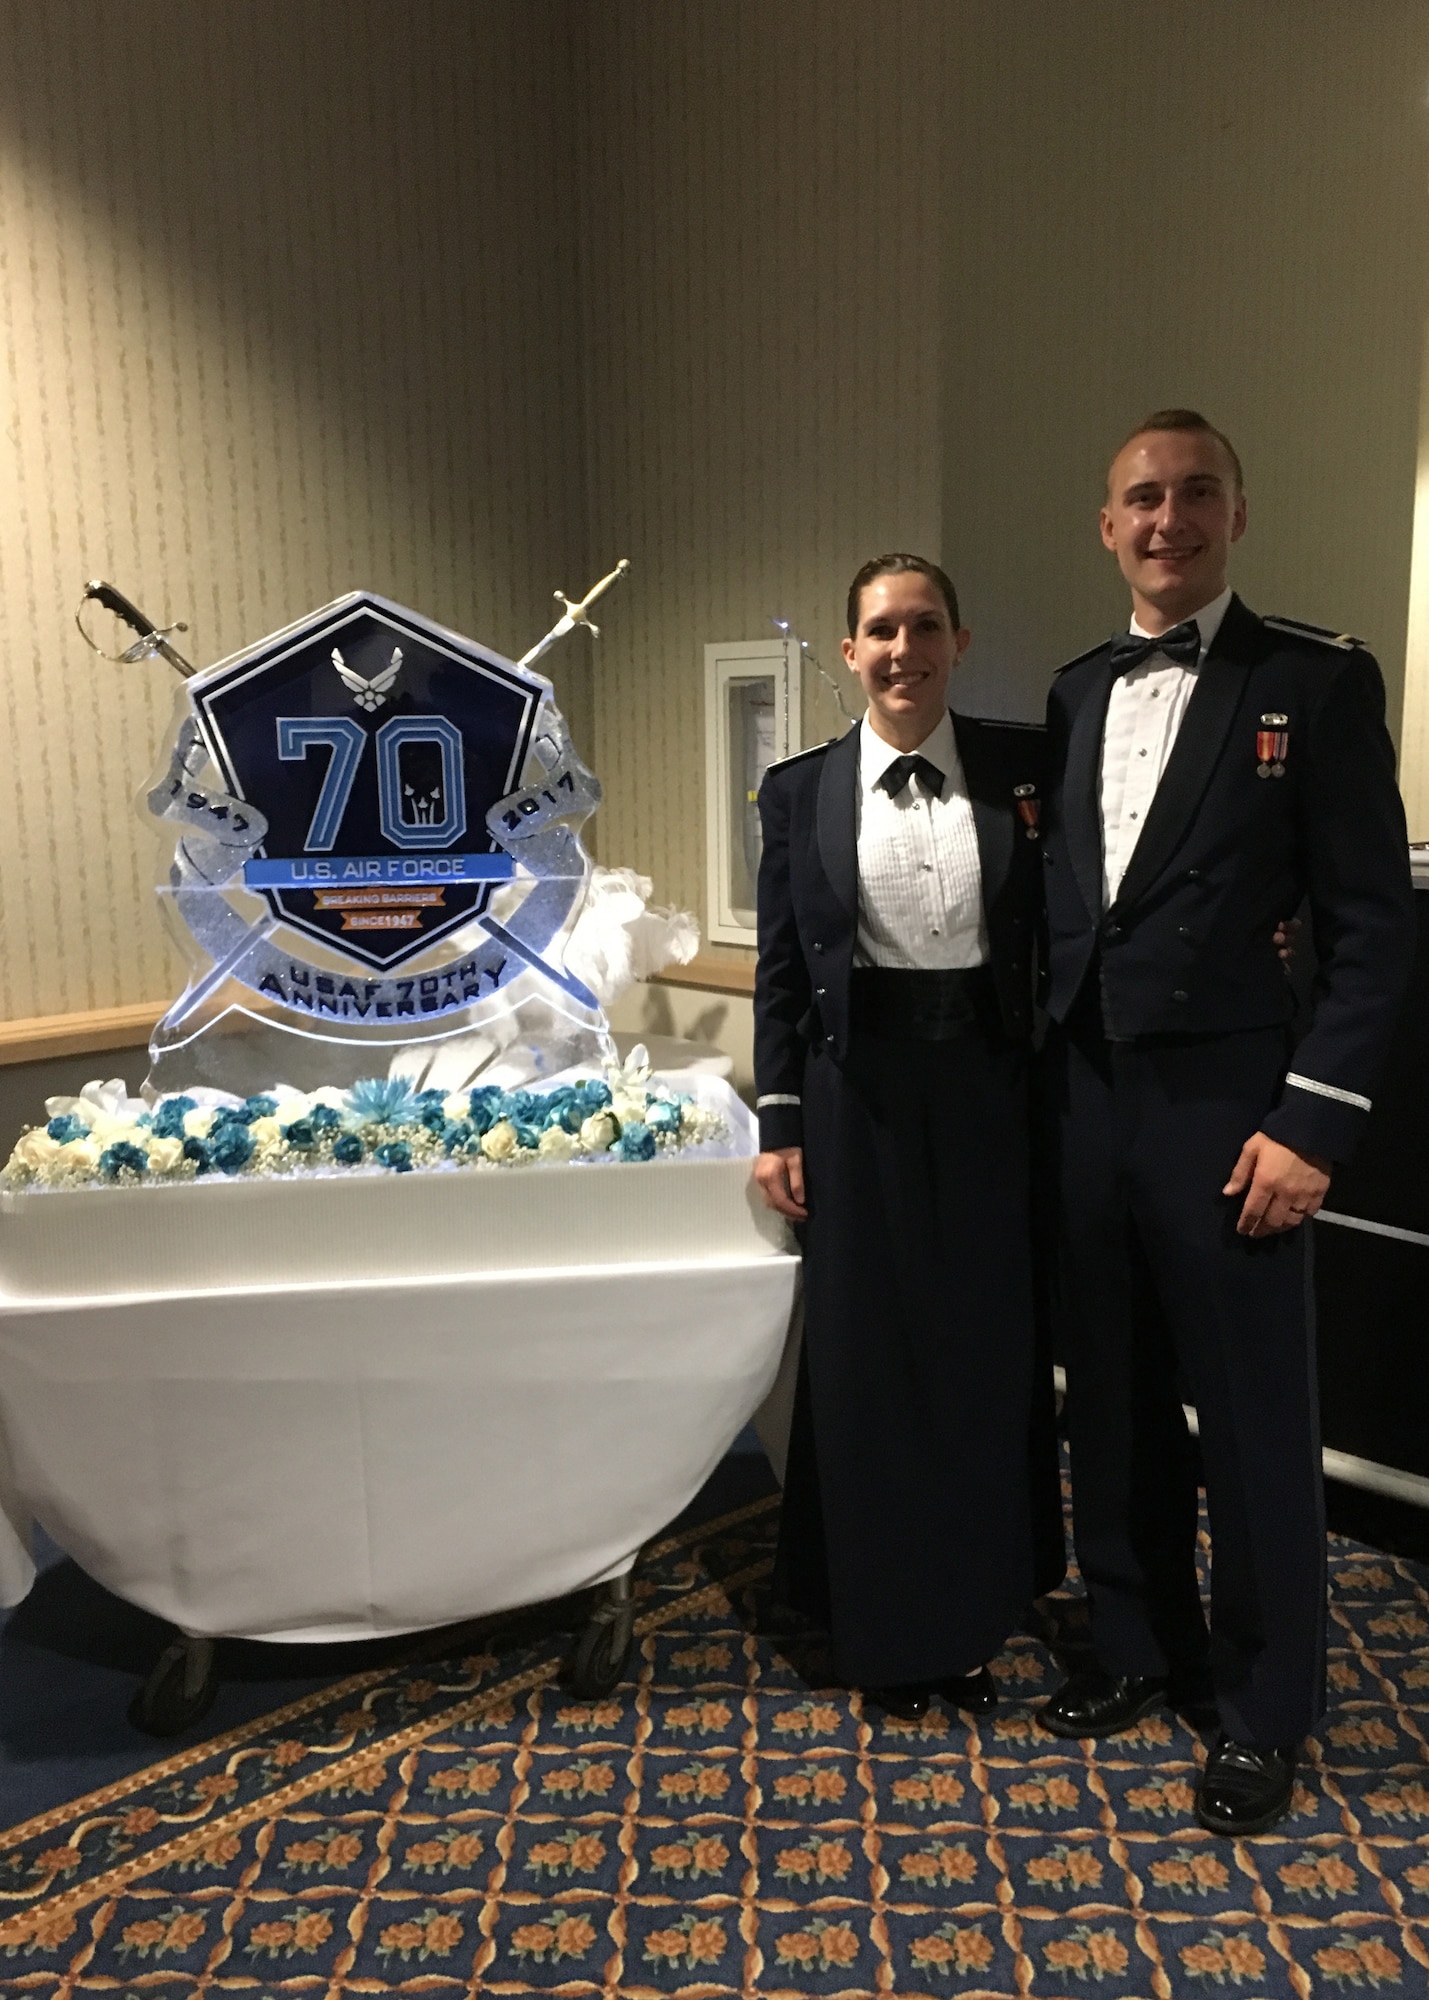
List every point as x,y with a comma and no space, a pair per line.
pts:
432,1115
232,1114
259,1107
382,1100
230,1146
66,1127
460,1137
528,1136
596,1095
562,1107
661,1116
198,1151
427,1098
348,1150
301,1134
520,1106
396,1154
323,1118
120,1155
482,1106
170,1116
636,1142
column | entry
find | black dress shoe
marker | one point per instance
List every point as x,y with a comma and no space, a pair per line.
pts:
975,1694
1245,1790
910,1702
1095,1703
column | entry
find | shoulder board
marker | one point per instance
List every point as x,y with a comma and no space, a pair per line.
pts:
1298,629
1007,722
798,756
1089,654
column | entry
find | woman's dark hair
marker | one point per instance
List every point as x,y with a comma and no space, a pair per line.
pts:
896,565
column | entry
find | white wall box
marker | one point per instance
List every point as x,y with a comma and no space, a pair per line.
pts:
753,691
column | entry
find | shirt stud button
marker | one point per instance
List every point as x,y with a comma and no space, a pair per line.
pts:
1178,994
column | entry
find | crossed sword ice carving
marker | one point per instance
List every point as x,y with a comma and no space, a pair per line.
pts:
224,832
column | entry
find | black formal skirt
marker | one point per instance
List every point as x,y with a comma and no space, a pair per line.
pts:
909,1495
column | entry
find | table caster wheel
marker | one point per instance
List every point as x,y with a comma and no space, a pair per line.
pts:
179,1690
604,1647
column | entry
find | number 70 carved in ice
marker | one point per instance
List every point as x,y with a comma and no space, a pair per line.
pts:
346,741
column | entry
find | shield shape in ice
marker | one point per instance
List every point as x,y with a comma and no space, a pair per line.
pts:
374,743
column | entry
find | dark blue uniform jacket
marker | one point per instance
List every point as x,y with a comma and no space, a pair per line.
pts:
808,899
1186,948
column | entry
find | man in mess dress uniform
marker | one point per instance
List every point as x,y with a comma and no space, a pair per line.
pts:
1209,770
899,897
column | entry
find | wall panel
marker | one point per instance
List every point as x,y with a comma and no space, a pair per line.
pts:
287,306
1215,204
760,217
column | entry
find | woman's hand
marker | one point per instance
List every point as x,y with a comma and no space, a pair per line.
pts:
779,1176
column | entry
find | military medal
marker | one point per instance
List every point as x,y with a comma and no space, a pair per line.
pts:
1272,742
1029,809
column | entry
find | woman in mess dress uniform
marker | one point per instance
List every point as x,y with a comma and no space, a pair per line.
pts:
898,909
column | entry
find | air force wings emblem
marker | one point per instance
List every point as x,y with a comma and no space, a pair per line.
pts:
368,694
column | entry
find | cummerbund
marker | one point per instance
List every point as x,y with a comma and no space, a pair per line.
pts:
932,1006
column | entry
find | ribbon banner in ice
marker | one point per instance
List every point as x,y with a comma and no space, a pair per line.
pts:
378,827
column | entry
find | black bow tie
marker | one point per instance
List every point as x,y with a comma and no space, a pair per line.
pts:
1182,644
903,768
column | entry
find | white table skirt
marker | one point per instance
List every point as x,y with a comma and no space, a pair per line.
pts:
346,1460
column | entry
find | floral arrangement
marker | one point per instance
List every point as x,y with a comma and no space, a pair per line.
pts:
105,1136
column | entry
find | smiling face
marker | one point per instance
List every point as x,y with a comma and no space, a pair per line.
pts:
903,651
1173,509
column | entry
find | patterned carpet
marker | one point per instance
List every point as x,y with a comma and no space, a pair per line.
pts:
727,1826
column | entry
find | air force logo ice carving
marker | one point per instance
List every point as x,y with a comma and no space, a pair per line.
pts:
378,834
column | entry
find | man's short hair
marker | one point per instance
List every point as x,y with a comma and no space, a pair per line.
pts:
1183,420
900,563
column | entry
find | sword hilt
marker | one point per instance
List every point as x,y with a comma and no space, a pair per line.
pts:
154,638
577,613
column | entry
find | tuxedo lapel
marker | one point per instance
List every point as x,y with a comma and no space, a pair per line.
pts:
837,819
1220,686
992,811
1081,788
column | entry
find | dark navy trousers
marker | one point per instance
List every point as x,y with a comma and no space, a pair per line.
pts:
915,1462
1158,1297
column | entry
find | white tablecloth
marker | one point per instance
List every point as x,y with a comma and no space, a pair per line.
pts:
341,1461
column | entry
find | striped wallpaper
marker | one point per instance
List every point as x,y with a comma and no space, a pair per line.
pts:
287,305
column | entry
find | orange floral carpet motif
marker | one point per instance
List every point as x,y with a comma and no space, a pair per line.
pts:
729,1824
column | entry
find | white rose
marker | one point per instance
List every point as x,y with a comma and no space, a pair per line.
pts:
165,1155
629,1107
558,1144
598,1132
198,1124
80,1156
37,1150
110,1131
265,1131
500,1142
457,1106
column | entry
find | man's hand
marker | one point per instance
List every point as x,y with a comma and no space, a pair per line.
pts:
1285,1186
779,1176
1284,935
